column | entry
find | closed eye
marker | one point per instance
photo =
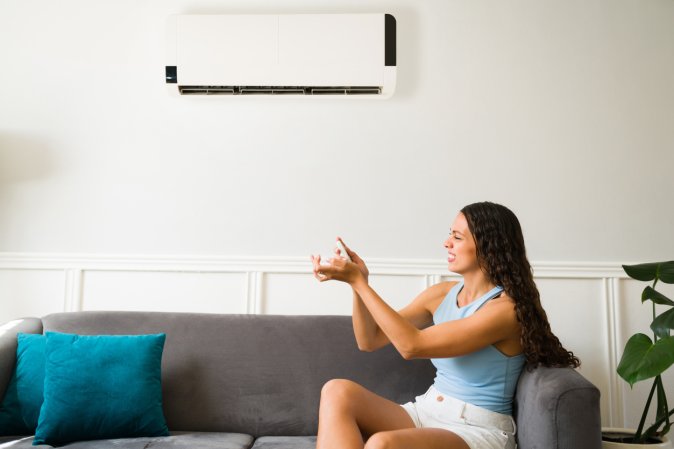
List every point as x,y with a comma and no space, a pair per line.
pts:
455,235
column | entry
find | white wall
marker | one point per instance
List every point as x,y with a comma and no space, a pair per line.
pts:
562,110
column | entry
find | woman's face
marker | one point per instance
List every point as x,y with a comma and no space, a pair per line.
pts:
461,247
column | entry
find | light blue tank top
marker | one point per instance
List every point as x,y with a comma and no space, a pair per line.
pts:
486,378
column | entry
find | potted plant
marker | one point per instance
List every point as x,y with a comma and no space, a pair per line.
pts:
646,358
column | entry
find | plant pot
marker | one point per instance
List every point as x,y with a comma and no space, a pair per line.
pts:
663,443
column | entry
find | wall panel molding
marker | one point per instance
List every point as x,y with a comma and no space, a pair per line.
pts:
239,264
611,292
72,300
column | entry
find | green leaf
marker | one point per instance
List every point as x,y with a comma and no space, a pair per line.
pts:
635,349
642,359
642,272
667,272
656,297
662,324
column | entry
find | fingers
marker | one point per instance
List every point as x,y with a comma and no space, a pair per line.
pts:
319,276
348,250
333,268
338,251
348,253
318,268
352,254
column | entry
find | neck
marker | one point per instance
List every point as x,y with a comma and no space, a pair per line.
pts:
475,285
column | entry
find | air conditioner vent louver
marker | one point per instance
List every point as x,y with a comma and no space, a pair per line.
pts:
279,90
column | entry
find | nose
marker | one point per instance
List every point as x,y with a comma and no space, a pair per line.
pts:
448,242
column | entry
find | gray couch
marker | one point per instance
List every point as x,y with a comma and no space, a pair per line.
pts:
242,381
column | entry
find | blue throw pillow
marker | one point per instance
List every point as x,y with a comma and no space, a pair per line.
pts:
100,387
20,408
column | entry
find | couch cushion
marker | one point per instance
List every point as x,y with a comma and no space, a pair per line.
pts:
285,443
8,344
20,408
177,440
255,374
98,387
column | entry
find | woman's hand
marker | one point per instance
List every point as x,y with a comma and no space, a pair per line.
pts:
355,258
339,268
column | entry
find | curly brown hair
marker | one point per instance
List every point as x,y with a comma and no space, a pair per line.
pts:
502,256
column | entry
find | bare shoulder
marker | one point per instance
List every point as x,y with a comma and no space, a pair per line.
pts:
501,312
443,287
502,307
504,297
433,295
420,311
440,290
502,302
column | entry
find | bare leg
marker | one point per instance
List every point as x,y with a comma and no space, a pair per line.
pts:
349,411
427,438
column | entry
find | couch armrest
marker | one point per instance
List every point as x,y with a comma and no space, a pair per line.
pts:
557,408
8,333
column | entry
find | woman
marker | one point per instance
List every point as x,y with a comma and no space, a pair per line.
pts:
479,332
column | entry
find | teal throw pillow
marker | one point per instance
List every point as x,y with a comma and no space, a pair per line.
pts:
101,387
20,408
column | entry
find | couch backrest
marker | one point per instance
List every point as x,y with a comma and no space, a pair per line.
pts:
254,374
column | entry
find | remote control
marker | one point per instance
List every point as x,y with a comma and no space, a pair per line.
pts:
342,250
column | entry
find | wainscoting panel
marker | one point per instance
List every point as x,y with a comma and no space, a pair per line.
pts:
593,308
164,291
25,293
302,294
577,314
398,290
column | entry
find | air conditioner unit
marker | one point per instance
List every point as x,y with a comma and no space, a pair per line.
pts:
288,54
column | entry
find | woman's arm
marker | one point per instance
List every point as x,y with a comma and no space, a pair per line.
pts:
394,327
491,324
494,323
419,313
376,323
368,333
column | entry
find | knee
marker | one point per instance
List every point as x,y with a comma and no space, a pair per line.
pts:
380,440
339,391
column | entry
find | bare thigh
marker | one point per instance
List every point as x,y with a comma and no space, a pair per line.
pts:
372,412
428,438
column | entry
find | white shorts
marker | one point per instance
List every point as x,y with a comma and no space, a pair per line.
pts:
478,427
